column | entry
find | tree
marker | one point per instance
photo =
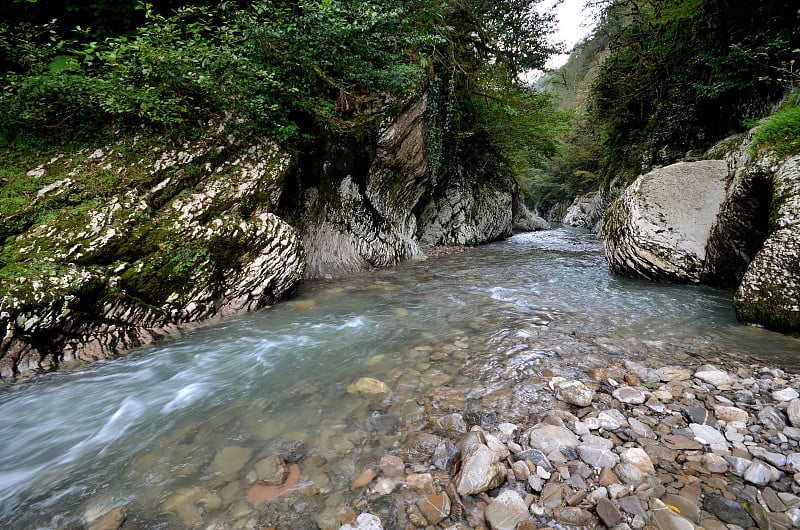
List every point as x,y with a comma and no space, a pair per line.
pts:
676,79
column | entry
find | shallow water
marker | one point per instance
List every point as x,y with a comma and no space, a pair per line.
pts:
148,431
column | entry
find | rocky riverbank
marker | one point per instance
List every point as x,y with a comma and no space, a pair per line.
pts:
631,446
623,445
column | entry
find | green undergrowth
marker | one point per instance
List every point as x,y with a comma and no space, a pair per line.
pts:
781,132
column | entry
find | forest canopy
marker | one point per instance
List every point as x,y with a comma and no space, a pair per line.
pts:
282,67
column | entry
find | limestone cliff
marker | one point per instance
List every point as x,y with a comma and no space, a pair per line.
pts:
732,222
170,237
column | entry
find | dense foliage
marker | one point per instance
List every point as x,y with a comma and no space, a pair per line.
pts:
268,63
285,68
681,74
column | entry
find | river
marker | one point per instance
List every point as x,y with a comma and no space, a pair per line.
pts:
172,431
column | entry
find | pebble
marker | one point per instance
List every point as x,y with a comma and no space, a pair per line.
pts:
608,513
707,435
670,448
598,456
506,511
785,394
727,510
758,474
793,411
629,395
575,393
365,521
481,471
435,508
721,380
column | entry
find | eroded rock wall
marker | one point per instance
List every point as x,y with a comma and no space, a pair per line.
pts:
200,242
225,224
733,222
659,227
769,293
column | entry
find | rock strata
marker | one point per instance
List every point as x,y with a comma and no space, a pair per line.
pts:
655,233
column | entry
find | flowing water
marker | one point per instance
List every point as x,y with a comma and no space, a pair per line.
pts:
171,432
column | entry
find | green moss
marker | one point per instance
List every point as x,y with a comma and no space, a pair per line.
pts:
781,132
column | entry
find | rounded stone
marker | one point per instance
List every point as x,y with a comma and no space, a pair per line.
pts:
575,393
793,411
629,395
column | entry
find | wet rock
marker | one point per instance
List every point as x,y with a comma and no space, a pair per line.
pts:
392,466
385,485
365,521
183,504
435,508
629,395
481,471
230,460
673,373
364,479
111,520
549,438
334,517
272,470
608,513
419,447
292,451
506,511
421,482
450,425
368,386
575,393
445,456
260,493
727,510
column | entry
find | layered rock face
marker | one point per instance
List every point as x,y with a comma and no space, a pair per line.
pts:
658,229
224,225
769,293
374,206
148,262
733,223
587,210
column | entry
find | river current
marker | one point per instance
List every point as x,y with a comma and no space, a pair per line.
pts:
171,432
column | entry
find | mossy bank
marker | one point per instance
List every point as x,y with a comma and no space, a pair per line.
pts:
111,247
